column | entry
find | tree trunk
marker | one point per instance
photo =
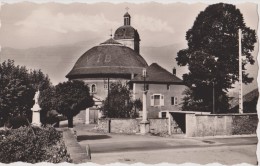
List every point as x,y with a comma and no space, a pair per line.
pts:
70,121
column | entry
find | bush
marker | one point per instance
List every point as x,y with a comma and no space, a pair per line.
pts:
32,145
52,120
17,122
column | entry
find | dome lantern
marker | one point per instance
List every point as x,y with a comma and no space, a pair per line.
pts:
127,17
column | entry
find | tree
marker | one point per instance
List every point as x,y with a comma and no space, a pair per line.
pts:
46,102
119,104
212,56
70,98
17,90
38,80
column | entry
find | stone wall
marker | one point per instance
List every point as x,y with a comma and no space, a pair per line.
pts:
159,126
246,124
220,124
131,126
103,125
127,126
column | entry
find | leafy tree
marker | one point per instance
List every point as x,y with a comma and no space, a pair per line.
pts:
119,104
17,90
46,102
70,98
212,56
38,80
138,105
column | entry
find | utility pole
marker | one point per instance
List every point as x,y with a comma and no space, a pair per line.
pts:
213,84
240,98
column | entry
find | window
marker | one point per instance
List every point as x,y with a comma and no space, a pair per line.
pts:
168,87
105,86
93,88
174,101
157,100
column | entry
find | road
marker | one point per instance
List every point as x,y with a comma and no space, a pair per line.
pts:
111,148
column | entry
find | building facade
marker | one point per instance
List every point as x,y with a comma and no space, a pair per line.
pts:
118,59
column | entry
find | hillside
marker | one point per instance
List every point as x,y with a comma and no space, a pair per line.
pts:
249,102
58,60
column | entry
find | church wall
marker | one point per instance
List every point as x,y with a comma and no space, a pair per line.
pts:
101,92
165,103
127,42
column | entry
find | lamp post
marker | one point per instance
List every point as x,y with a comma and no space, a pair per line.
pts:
144,124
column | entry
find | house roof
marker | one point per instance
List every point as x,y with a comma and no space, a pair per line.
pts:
108,58
157,74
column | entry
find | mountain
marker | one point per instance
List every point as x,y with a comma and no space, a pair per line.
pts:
57,61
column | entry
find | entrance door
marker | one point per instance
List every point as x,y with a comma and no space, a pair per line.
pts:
93,115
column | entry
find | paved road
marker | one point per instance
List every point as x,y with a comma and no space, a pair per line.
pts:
110,148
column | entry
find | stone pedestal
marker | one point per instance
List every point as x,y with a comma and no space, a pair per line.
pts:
144,127
144,124
36,115
87,116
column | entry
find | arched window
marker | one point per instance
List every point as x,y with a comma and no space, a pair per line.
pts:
93,88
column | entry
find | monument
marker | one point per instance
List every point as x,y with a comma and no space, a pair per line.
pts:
36,110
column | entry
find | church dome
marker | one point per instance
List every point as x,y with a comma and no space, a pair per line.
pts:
109,59
126,32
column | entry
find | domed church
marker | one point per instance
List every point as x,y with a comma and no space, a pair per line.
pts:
119,59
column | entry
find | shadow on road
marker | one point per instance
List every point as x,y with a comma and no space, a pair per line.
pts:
91,137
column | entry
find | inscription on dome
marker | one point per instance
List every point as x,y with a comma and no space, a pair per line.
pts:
99,56
108,58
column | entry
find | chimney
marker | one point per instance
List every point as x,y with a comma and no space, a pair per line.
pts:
174,71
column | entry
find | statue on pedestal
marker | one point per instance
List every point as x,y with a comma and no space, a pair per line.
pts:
36,97
36,110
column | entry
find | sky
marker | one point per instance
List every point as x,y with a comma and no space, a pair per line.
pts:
28,25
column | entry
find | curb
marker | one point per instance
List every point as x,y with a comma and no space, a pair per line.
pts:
77,154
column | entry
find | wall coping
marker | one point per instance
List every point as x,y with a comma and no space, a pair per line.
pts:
232,114
118,118
186,112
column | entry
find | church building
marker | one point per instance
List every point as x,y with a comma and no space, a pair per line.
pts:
119,59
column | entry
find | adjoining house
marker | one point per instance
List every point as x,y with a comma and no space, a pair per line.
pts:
118,59
164,89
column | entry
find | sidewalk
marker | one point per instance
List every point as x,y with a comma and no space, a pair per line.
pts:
78,154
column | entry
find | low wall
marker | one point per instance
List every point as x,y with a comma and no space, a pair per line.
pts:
160,125
131,126
220,124
103,125
128,126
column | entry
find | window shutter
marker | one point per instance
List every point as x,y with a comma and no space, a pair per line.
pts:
162,100
152,100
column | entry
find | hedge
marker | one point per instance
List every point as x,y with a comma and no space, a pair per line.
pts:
32,145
